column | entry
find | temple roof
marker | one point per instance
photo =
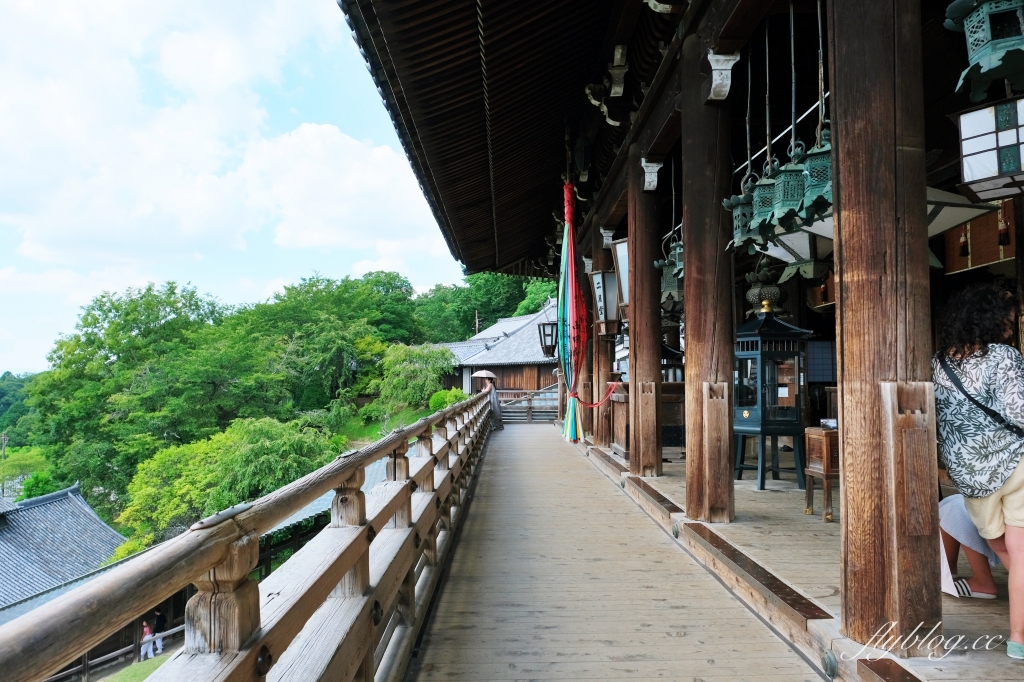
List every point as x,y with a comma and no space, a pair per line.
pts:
509,341
46,541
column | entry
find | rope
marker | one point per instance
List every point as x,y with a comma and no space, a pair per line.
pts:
602,401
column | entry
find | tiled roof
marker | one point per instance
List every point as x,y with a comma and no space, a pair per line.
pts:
520,347
49,540
464,350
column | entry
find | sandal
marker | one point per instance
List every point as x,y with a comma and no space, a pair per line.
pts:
964,590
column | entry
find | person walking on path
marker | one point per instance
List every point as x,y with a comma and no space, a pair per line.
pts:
979,400
147,646
159,627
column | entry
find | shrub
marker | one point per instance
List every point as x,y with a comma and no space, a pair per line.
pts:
443,399
374,412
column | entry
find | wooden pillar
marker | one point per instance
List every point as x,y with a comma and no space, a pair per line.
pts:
707,291
601,354
888,495
644,323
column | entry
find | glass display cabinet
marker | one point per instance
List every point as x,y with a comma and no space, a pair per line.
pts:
769,380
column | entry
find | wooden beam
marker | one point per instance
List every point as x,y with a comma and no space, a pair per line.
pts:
707,290
889,572
730,23
644,324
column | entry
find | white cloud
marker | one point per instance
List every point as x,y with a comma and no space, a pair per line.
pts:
137,146
130,132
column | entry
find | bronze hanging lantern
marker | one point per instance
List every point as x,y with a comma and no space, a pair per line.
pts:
817,201
995,42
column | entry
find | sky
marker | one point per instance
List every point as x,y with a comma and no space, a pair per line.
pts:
237,146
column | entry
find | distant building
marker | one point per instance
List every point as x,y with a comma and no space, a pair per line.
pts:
50,540
510,348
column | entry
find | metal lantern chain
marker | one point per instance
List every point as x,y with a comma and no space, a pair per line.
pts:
789,181
764,190
817,202
742,206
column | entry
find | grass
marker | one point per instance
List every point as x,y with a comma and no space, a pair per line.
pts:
359,433
136,672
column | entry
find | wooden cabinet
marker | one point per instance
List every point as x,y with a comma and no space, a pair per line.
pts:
822,451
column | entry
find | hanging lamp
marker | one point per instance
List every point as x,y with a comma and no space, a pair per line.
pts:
742,206
817,202
764,189
995,42
789,181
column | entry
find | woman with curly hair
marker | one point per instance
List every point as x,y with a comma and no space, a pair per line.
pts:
979,397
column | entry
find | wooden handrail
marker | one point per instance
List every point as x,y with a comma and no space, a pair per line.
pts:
42,641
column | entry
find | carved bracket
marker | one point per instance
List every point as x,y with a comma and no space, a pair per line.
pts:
651,168
588,265
666,8
716,87
618,69
607,236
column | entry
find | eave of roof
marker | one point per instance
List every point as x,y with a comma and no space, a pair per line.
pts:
480,92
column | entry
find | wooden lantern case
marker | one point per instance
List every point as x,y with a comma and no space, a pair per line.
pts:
769,377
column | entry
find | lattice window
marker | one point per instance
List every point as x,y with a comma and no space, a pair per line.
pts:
976,28
819,171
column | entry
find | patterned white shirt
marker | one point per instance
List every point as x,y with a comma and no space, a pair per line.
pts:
979,453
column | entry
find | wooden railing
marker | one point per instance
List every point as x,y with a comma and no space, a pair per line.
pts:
348,605
539,405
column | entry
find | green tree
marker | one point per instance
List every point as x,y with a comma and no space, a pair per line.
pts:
411,374
14,408
183,483
445,314
537,294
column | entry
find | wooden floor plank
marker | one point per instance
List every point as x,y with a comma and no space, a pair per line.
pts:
559,575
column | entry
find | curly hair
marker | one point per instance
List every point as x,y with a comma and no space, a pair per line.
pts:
974,318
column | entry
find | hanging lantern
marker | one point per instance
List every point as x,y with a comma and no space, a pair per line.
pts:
764,202
789,191
606,302
990,145
817,200
742,208
671,281
548,332
995,42
620,254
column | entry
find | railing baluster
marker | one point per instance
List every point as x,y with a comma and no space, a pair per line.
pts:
226,609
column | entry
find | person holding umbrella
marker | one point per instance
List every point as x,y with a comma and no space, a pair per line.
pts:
495,403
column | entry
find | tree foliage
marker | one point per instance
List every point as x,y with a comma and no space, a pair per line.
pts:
167,405
182,483
537,294
449,313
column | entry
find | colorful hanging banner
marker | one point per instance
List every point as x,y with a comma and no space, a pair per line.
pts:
572,322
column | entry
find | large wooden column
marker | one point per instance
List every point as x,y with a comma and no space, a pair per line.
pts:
707,288
644,323
601,353
888,497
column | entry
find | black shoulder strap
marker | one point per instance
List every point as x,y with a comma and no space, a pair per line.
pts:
995,416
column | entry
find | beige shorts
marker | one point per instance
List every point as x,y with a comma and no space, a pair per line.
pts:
1003,507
